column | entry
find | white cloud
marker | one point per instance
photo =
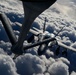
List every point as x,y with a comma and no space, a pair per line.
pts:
7,66
2,51
38,74
73,73
46,74
47,62
64,60
49,53
58,68
29,64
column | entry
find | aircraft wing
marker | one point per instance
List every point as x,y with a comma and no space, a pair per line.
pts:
34,32
65,46
36,29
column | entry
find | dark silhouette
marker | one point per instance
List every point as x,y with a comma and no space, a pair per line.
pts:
31,11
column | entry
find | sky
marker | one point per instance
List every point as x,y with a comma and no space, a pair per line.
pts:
71,5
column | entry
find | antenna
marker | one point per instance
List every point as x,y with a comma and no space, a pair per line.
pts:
59,31
44,27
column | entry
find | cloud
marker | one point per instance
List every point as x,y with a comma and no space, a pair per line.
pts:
2,51
7,66
47,62
38,74
49,53
29,64
47,74
64,60
58,68
73,73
